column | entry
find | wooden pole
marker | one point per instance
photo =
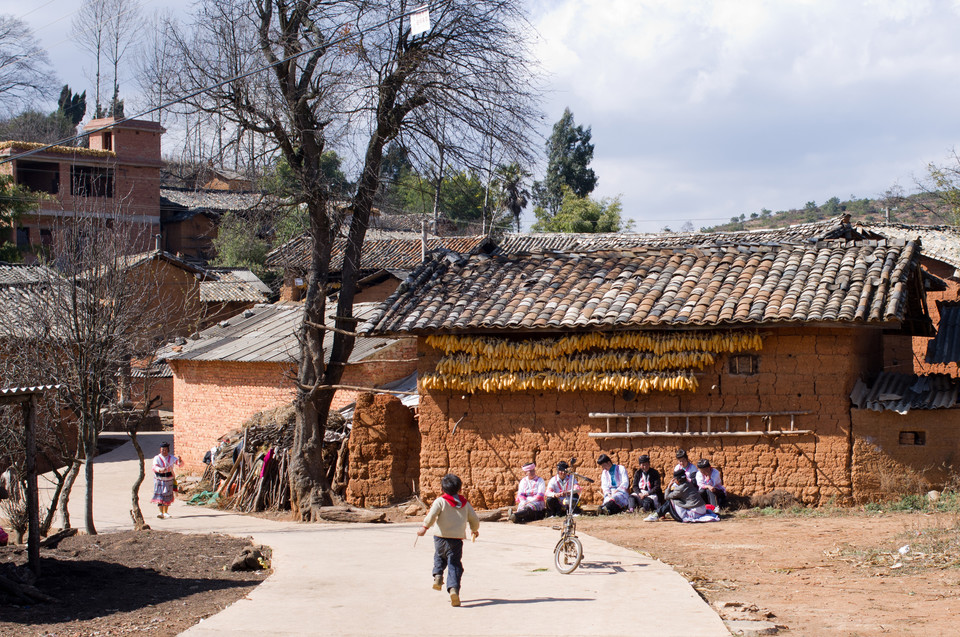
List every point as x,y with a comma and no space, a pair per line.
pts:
33,499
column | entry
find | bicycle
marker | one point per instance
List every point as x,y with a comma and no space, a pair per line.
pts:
568,553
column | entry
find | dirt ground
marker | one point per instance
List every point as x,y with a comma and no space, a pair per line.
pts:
153,582
837,573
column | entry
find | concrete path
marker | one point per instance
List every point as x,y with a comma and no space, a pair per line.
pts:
371,580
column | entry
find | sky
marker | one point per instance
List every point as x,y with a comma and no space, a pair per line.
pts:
702,110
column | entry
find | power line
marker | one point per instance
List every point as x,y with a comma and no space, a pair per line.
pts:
218,84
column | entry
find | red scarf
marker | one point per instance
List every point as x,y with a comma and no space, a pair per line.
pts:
456,501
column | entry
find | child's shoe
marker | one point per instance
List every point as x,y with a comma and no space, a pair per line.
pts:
438,582
454,596
653,517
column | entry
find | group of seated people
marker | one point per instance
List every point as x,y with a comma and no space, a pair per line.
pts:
695,494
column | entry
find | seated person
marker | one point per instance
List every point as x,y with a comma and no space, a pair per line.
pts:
615,486
682,502
683,462
710,485
645,493
559,491
531,503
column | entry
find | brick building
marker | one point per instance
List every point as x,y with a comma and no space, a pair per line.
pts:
116,179
248,363
743,348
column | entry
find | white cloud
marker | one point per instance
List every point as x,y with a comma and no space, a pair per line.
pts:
730,105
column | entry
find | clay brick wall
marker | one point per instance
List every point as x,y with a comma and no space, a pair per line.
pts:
485,438
885,465
384,448
211,398
162,387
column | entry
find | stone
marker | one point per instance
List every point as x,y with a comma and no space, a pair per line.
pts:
751,628
933,496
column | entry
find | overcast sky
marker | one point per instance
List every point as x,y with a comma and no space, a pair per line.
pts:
706,109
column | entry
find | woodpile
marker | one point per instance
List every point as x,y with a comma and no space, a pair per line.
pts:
251,467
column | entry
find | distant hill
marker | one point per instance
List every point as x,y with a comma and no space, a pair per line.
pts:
919,209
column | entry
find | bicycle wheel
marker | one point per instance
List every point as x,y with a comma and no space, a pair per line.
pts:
567,555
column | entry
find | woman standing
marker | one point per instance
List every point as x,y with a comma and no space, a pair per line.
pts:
163,478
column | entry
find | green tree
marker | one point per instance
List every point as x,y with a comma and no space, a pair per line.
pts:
281,181
461,196
15,200
33,126
240,243
569,153
582,215
72,106
513,195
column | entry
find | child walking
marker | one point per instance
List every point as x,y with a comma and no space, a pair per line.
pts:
452,513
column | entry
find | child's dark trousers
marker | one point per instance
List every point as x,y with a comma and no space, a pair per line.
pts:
448,554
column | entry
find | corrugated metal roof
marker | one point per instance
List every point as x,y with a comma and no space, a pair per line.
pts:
233,285
945,347
16,274
903,392
654,287
26,391
267,333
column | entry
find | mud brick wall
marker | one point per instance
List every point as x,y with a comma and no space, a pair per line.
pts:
952,293
486,437
162,387
888,459
384,449
211,398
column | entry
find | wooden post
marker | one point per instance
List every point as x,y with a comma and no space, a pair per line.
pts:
33,500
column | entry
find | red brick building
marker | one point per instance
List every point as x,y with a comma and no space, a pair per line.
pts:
116,179
743,348
248,363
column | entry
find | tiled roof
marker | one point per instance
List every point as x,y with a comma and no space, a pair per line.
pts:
389,254
233,285
15,274
178,204
630,288
803,233
267,333
939,242
903,392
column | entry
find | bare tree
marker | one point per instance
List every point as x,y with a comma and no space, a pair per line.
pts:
353,72
90,29
123,29
97,311
25,72
152,60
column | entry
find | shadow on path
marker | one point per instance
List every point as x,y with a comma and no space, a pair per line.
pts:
488,601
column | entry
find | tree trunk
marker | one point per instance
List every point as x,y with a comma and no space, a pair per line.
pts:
89,452
65,494
135,513
52,509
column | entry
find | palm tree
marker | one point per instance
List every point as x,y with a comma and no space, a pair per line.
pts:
513,193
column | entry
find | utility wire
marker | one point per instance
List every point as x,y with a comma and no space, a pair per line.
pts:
203,90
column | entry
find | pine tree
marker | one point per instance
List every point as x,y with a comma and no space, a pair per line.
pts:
569,153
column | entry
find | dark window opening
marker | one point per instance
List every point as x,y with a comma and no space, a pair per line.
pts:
23,237
39,176
91,181
913,437
107,140
744,364
46,237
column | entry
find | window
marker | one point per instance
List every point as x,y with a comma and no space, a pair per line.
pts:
913,438
744,364
91,181
23,237
39,176
46,237
107,140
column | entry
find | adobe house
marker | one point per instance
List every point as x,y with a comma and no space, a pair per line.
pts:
738,347
228,291
190,218
116,178
248,363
